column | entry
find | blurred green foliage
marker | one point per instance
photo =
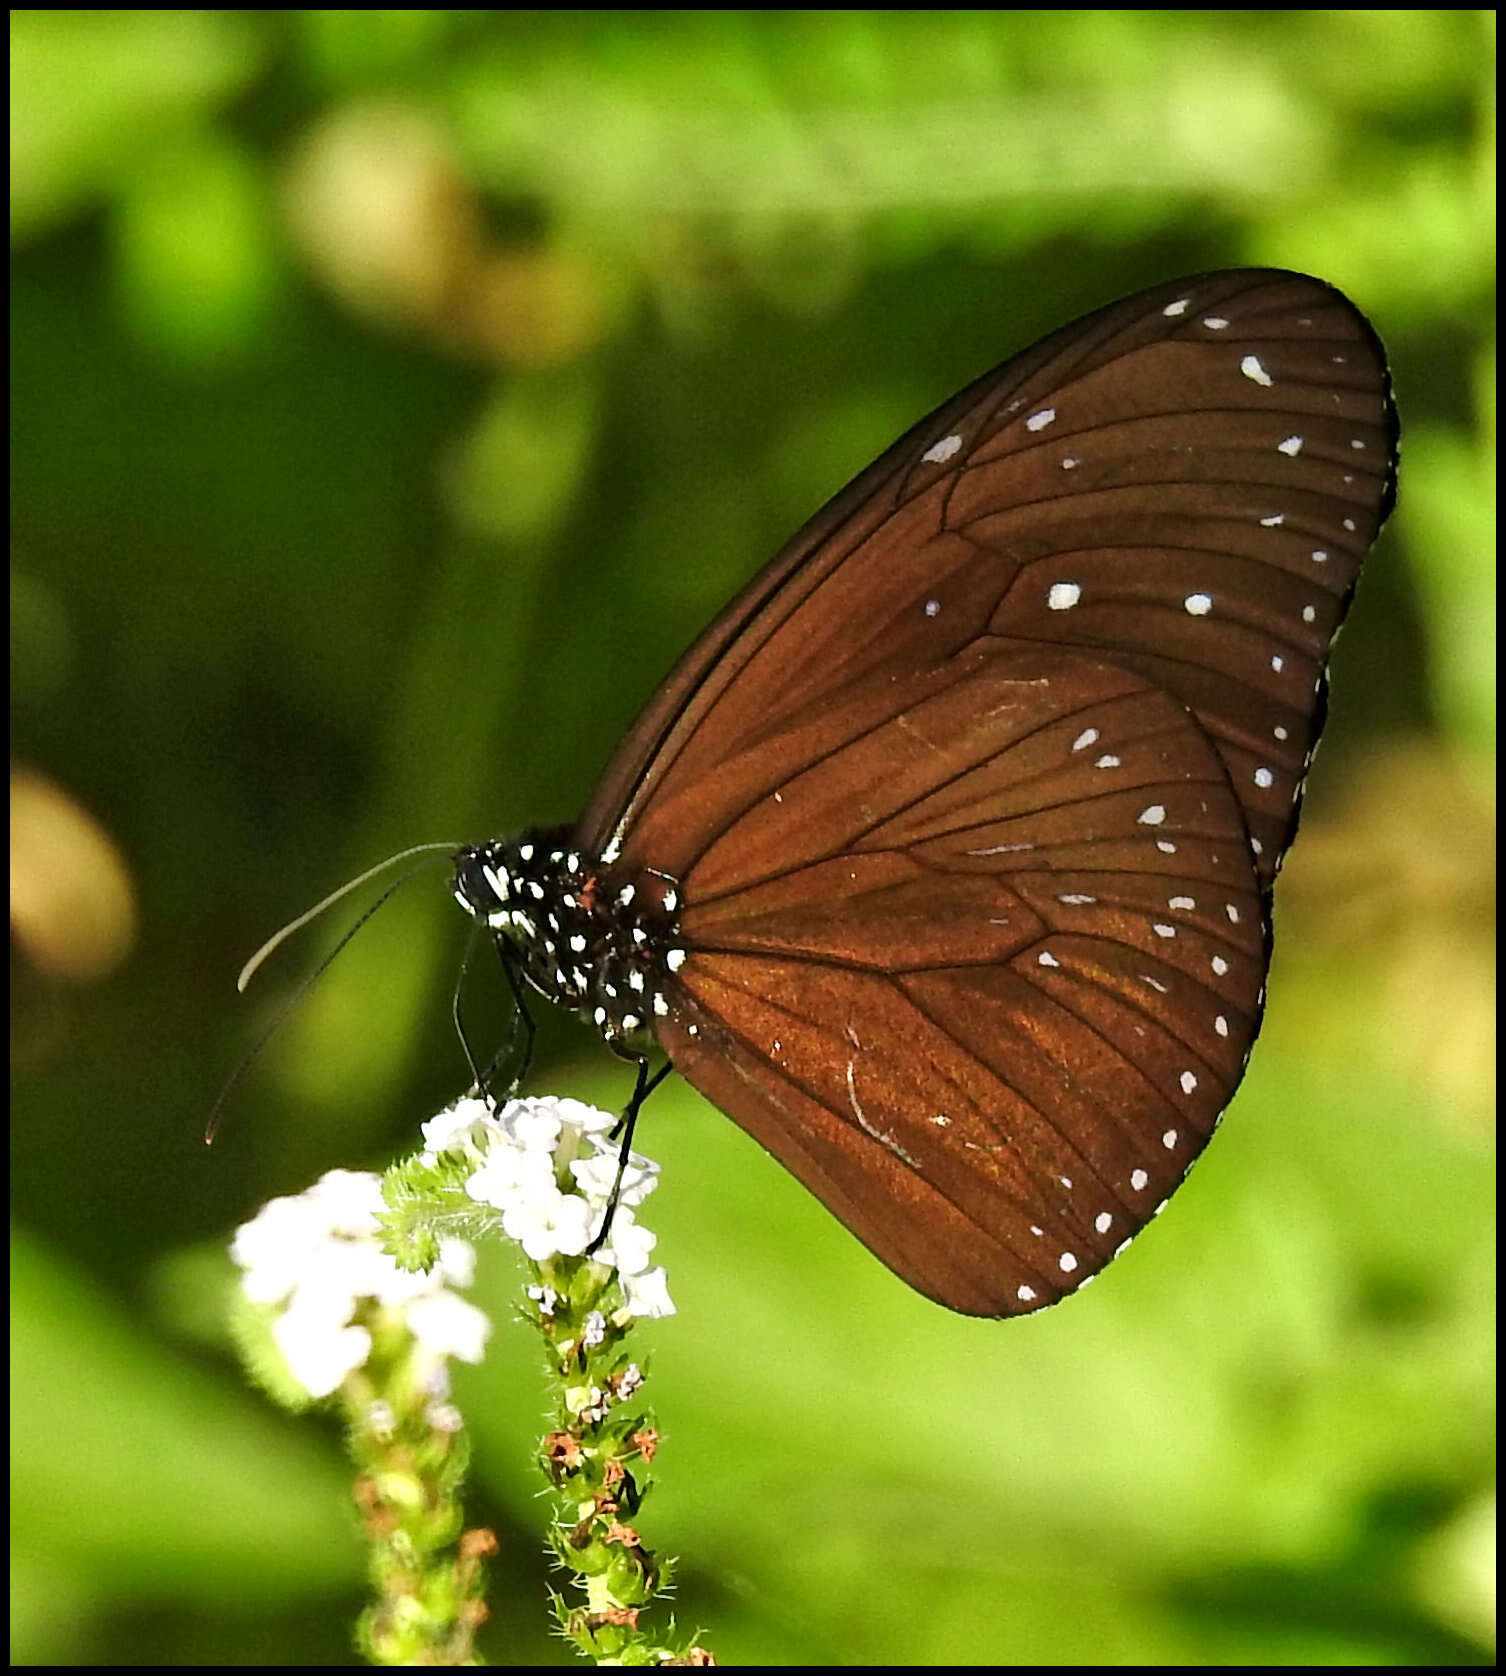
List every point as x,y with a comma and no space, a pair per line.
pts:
395,394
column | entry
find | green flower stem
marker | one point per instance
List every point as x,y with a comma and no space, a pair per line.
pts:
411,1456
596,1457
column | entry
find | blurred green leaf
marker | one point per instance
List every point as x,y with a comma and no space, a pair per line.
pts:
198,260
1451,506
94,92
136,1475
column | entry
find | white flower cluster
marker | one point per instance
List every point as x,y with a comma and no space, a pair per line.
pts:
319,1256
519,1153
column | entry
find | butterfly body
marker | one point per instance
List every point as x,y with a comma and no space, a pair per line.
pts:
596,940
943,860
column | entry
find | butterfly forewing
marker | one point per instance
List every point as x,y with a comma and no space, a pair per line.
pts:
1186,481
974,796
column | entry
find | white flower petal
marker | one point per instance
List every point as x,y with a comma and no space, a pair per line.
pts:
457,1262
447,1325
510,1176
647,1295
629,1245
349,1201
545,1227
319,1353
468,1124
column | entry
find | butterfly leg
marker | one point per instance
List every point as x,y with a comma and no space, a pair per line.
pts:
642,1088
521,1017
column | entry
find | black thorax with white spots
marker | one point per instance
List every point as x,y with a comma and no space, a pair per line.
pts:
598,940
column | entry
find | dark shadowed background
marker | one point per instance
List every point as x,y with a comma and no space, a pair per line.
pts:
396,394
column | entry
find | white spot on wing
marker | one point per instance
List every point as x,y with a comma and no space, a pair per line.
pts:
1039,421
1198,605
940,452
1062,596
1253,370
1292,446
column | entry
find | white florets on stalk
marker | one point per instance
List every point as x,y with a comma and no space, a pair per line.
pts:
549,1166
326,1312
317,1259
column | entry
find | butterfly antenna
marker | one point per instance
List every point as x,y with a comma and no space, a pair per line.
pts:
465,1041
278,938
211,1127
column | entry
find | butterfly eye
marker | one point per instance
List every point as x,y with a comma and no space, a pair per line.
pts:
942,862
